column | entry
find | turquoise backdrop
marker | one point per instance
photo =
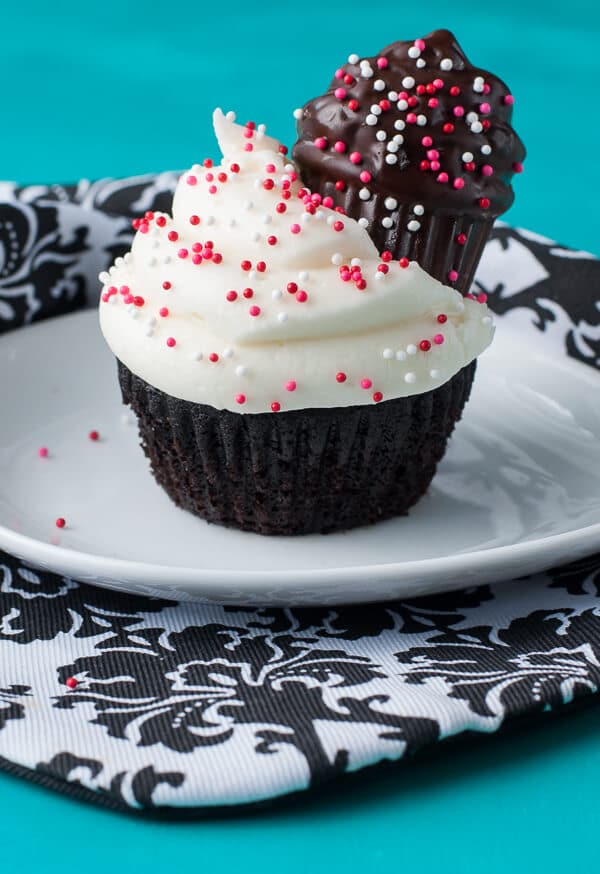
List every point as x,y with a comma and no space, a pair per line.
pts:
119,88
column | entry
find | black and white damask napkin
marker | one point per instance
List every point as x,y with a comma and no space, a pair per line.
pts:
185,705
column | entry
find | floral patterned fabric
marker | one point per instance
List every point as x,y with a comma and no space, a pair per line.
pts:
190,705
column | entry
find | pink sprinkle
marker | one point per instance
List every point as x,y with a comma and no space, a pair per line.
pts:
439,83
517,167
301,296
197,259
254,311
171,341
43,452
459,111
321,143
438,339
365,383
340,93
487,170
459,183
212,189
452,275
365,176
164,312
435,166
240,399
382,63
509,99
291,385
482,297
485,108
411,118
248,147
426,141
270,168
420,44
328,202
295,229
432,102
433,154
442,177
340,146
355,157
191,180
182,253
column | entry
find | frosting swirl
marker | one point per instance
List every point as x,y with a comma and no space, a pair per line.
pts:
256,296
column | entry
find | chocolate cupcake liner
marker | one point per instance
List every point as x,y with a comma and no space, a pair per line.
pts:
297,472
434,245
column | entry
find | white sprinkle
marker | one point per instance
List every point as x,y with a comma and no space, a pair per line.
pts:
381,136
486,150
460,306
152,262
353,59
267,219
392,95
330,219
467,157
305,217
388,353
390,203
337,258
434,373
410,377
371,120
149,331
289,168
261,128
364,194
411,349
282,317
257,184
247,204
252,275
486,320
167,259
446,64
151,321
414,52
304,276
363,222
408,82
210,219
255,236
387,222
478,84
127,419
277,294
118,261
241,370
400,355
196,168
104,277
127,257
196,356
297,113
471,117
420,63
356,262
112,299
476,127
230,116
413,225
392,146
319,215
155,244
399,124
376,109
379,85
366,72
391,159
421,120
418,209
398,138
379,275
228,353
402,105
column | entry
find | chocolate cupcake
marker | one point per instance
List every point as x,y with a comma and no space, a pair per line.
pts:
415,143
286,378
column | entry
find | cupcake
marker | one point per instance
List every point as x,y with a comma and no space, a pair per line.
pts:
286,378
416,144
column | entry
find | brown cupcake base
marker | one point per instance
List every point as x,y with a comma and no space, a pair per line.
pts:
298,472
434,245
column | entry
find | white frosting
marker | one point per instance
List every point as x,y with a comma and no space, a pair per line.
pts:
371,336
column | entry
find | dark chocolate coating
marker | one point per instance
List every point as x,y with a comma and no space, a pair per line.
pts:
297,472
331,118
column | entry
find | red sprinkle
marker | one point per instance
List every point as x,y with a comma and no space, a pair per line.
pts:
461,239
261,266
248,293
290,385
213,357
71,683
338,226
424,345
171,341
377,396
60,522
341,376
173,236
164,312
275,406
442,318
240,399
254,311
404,262
166,285
301,296
94,435
246,265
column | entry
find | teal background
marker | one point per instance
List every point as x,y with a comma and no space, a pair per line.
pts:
122,88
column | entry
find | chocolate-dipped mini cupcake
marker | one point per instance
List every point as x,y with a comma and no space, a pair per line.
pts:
286,378
416,144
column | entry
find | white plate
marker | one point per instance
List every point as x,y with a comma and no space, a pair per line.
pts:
518,490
